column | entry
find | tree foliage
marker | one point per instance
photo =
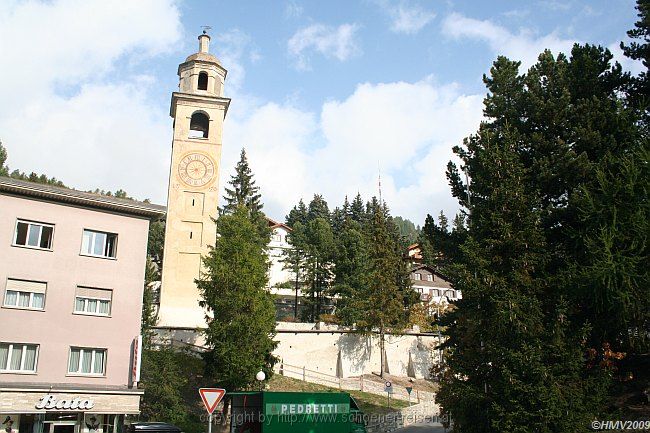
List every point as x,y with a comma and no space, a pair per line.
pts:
243,191
554,261
240,311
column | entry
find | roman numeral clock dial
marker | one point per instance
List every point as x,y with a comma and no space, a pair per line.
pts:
196,169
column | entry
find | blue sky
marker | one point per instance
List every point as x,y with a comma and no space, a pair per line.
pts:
325,94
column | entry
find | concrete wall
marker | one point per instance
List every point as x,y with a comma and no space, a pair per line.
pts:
319,347
302,345
63,268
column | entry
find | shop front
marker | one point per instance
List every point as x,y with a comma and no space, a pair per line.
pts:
50,410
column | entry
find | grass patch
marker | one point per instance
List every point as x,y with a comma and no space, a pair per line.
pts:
368,403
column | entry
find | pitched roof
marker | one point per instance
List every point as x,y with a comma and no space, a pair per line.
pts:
79,198
273,224
430,269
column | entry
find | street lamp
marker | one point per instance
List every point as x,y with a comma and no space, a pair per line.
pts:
261,376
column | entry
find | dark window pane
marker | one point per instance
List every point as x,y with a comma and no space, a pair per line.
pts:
111,242
21,233
46,237
203,81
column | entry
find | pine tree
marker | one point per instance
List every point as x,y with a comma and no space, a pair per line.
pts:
338,220
156,242
351,269
149,316
243,191
297,214
383,304
508,371
638,92
609,267
407,230
319,250
240,312
294,259
523,264
318,209
444,222
357,210
163,379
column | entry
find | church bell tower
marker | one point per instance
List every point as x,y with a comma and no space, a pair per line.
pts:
198,109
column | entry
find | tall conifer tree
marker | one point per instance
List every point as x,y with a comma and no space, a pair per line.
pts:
240,311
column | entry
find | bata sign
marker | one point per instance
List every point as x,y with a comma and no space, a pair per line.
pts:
49,401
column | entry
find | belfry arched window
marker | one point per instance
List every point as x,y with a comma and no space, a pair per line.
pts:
199,125
203,81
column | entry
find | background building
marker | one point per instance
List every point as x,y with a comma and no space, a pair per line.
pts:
71,279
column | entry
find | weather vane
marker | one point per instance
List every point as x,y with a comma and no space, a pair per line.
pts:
205,29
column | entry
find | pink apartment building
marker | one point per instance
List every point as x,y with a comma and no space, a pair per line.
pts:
71,280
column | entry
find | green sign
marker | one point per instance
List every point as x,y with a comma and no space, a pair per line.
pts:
306,408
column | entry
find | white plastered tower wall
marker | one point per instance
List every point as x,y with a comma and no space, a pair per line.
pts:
198,109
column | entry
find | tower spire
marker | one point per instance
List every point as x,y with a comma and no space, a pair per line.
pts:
204,40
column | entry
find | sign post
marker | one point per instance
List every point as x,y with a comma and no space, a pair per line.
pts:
211,398
409,389
389,391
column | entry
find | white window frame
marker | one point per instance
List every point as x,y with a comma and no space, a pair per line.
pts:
417,277
429,277
92,361
40,233
20,307
91,244
4,369
96,312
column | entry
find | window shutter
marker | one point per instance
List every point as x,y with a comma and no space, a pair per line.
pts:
89,292
26,286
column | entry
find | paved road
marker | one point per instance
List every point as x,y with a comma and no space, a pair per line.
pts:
422,428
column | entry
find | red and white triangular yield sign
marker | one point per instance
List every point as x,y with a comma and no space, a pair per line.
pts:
211,397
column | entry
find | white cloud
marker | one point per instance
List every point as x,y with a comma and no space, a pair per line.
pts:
405,16
524,45
633,66
407,128
292,10
99,131
332,42
234,47
107,130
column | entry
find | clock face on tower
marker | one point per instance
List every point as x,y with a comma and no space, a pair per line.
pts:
196,169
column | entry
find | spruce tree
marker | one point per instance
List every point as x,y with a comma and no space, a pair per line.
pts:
383,305
242,191
318,209
297,214
357,210
319,250
240,312
351,269
294,259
